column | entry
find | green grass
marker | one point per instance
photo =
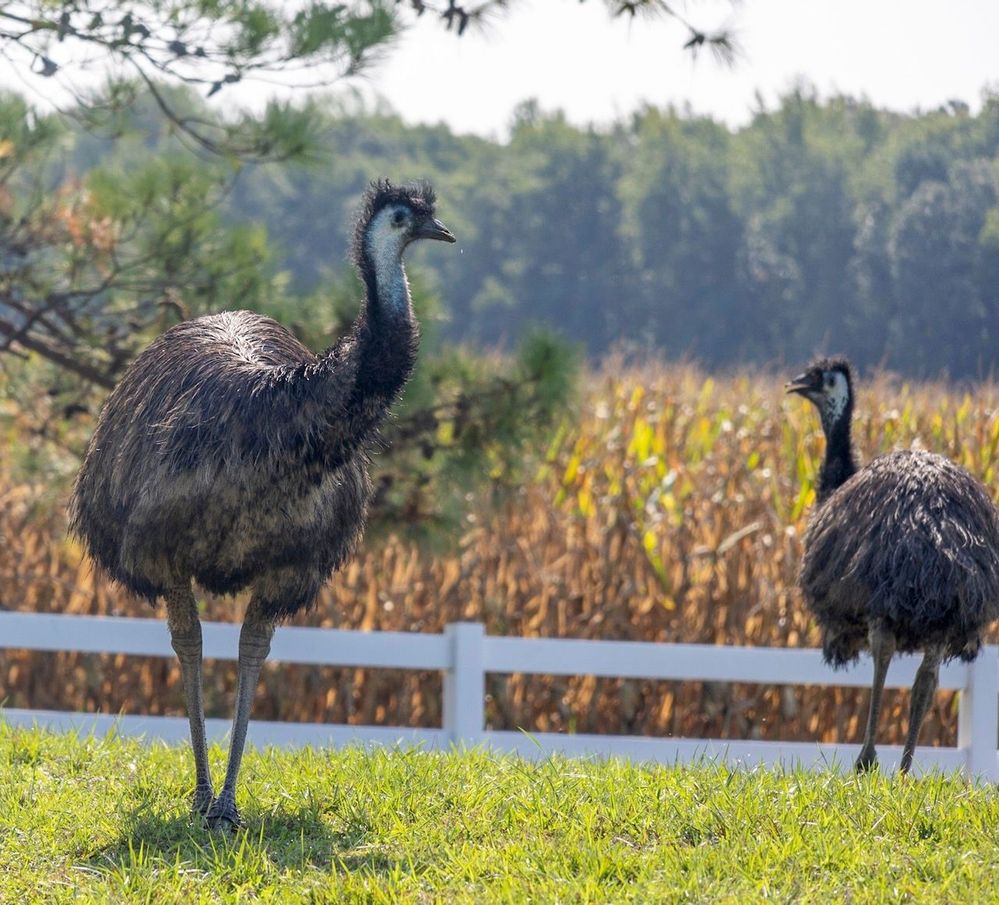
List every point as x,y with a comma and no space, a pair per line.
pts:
106,820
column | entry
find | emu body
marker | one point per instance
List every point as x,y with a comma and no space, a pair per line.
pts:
232,456
218,412
900,556
908,544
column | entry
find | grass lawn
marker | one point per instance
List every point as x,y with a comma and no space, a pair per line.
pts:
107,820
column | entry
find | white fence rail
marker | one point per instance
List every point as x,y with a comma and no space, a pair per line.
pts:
465,654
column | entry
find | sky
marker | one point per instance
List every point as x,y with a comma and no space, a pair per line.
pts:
903,54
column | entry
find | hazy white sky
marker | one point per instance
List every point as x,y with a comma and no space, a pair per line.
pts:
899,53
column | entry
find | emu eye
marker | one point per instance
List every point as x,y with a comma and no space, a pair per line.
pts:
830,380
398,218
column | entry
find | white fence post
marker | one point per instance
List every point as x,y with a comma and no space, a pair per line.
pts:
465,684
978,716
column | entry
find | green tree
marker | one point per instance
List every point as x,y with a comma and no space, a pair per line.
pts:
143,45
684,236
944,319
92,263
797,194
544,237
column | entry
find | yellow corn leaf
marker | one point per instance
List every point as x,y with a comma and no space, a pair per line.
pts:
571,470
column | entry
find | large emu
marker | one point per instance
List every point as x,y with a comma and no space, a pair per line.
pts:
231,455
901,555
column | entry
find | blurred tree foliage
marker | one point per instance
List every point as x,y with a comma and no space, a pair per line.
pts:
207,45
457,16
108,54
821,225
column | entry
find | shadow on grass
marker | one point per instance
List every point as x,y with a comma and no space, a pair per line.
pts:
288,841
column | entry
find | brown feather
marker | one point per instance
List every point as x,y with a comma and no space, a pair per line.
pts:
909,544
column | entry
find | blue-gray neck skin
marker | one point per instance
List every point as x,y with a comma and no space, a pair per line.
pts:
388,296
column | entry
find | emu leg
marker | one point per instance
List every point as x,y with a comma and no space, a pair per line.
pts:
185,636
254,646
882,650
922,696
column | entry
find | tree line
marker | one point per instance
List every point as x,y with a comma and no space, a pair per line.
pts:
821,225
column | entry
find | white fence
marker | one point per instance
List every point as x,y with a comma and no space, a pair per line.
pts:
465,654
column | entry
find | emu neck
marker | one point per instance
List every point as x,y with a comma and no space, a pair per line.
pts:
388,297
839,464
384,338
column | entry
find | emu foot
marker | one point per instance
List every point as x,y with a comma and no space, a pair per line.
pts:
867,761
204,797
222,815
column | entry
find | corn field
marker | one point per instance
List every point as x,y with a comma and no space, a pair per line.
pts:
669,507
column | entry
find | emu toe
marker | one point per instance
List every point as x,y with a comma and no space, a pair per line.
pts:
203,800
867,761
222,815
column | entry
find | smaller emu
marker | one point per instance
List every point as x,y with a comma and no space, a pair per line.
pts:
900,556
231,455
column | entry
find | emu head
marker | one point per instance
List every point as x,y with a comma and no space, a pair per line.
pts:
829,386
393,216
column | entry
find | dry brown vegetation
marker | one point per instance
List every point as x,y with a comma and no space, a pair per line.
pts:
669,509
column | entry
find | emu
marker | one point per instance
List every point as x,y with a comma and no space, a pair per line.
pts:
232,456
900,556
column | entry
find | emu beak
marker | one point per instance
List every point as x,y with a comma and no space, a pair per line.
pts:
803,384
433,229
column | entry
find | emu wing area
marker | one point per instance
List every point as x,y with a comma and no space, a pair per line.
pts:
910,544
203,465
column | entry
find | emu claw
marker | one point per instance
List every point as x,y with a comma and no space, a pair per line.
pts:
223,815
204,798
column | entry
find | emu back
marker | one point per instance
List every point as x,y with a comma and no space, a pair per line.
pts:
210,461
910,545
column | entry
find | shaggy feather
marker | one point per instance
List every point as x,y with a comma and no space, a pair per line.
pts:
231,454
907,545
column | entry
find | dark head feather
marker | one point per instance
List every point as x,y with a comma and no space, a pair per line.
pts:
418,196
836,363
